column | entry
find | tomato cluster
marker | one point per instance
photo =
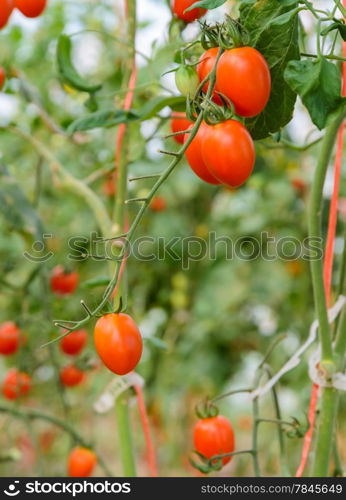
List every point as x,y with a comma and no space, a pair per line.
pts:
29,8
224,153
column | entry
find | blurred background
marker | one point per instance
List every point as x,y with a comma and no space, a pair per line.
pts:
212,320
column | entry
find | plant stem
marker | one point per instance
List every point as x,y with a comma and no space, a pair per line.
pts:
315,232
255,413
329,398
125,438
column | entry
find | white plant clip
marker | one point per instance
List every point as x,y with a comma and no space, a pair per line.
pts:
117,386
333,312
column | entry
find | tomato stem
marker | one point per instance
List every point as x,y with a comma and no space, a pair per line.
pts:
124,433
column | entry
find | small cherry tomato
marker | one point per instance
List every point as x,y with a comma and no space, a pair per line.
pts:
179,123
118,342
299,185
194,155
214,436
2,77
229,152
63,282
205,66
179,6
70,376
73,343
10,338
158,204
6,9
186,80
243,76
16,384
81,462
109,185
31,8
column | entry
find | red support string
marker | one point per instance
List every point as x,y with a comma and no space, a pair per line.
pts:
151,457
119,141
328,268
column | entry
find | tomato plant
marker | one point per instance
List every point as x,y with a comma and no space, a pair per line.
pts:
81,462
16,384
118,342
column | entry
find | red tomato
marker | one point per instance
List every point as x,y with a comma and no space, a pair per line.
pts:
70,376
214,436
118,342
179,6
194,155
16,384
7,7
10,338
63,282
205,66
74,342
81,462
2,77
229,152
158,204
109,185
179,123
31,8
243,76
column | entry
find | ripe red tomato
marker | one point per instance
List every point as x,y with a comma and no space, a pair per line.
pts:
179,6
118,342
2,77
16,384
205,66
179,123
74,342
10,338
81,462
31,8
194,155
214,436
7,7
243,75
70,376
229,152
63,282
158,204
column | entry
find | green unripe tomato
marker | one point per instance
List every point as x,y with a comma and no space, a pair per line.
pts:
186,80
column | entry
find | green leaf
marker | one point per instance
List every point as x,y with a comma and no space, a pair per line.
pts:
273,29
156,104
94,282
206,4
102,119
68,71
337,25
105,119
318,83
